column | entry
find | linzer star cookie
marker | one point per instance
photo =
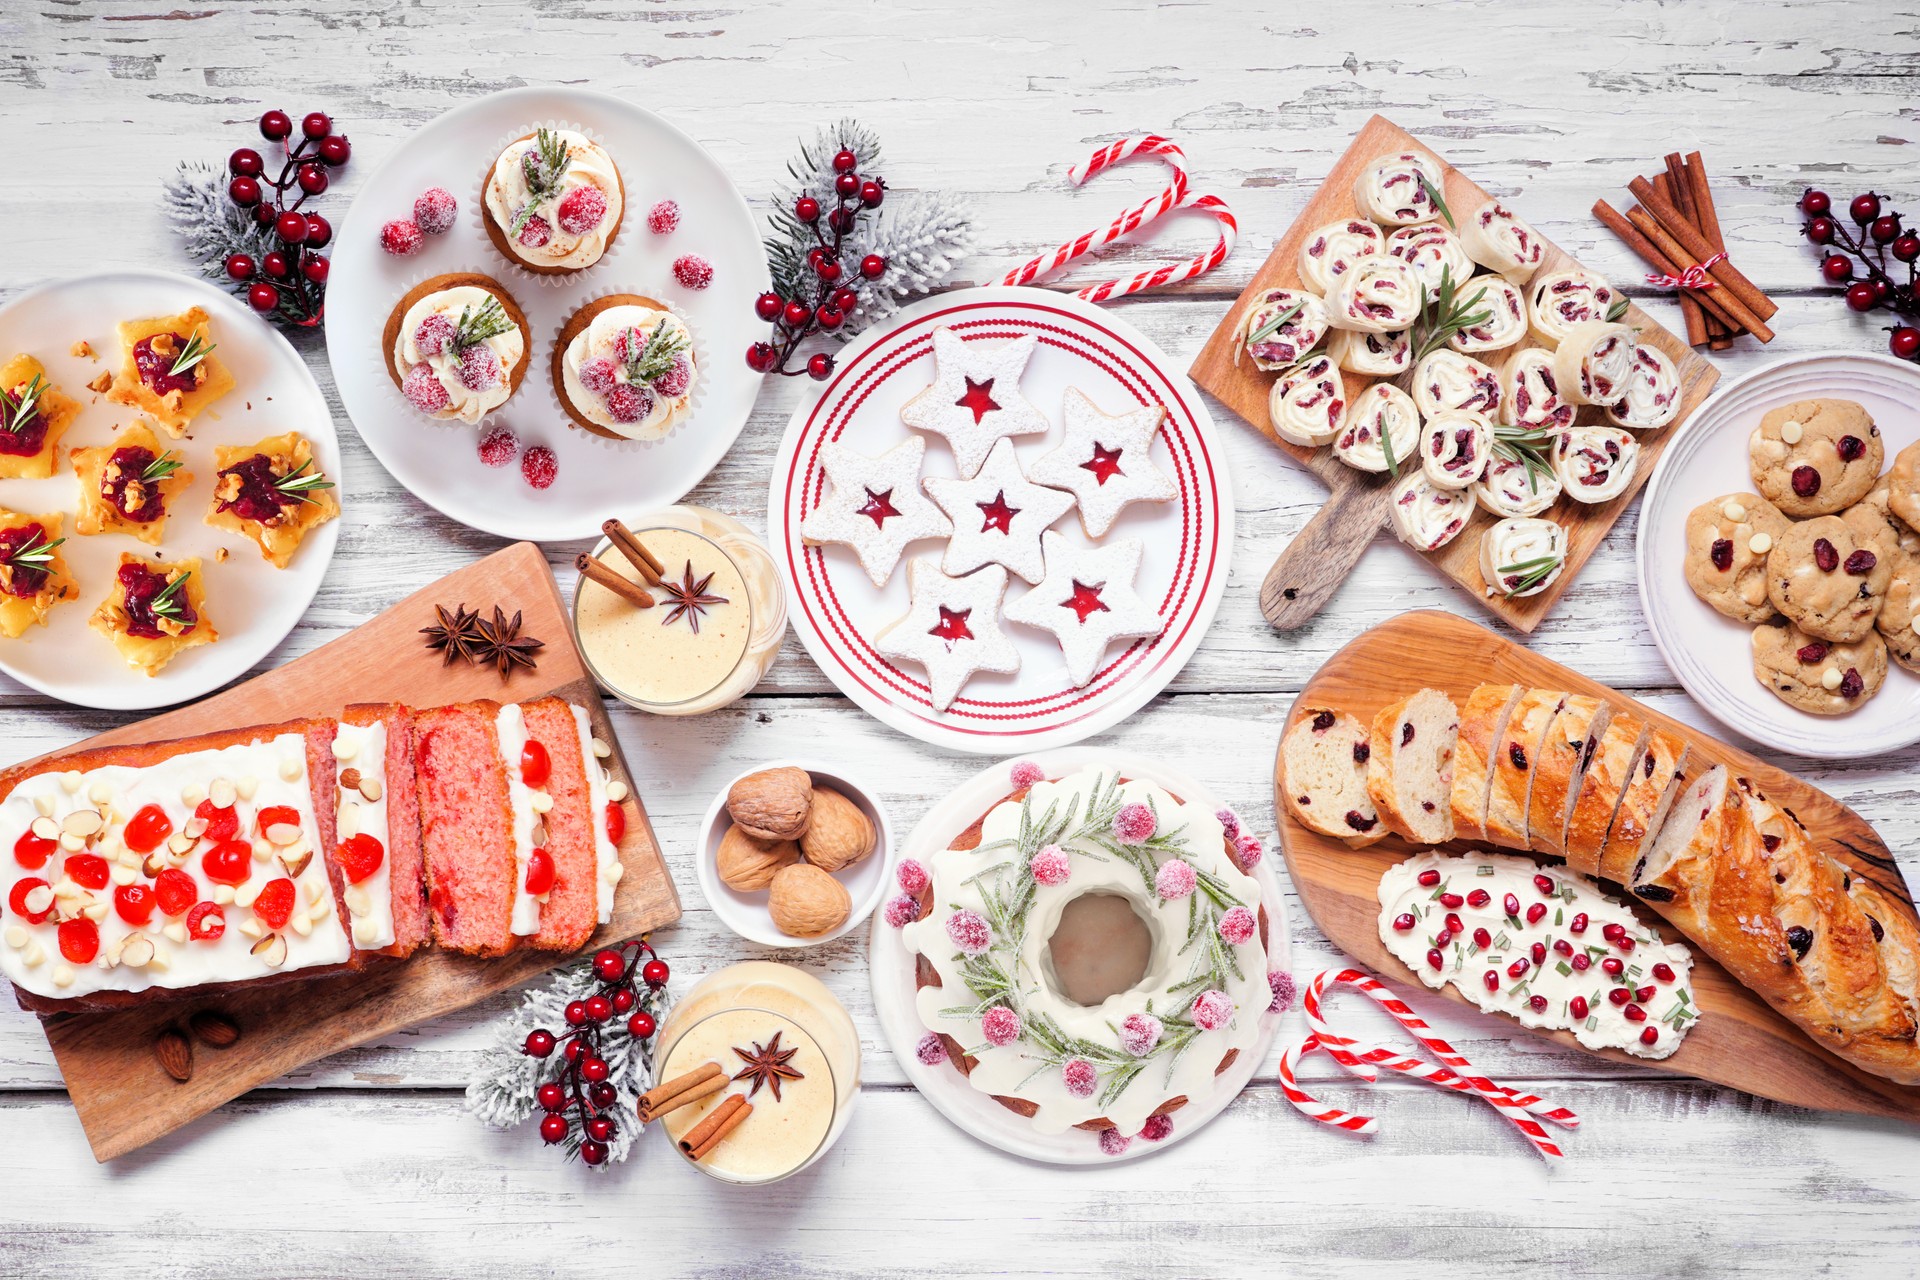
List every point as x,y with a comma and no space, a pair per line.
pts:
998,516
1087,601
875,506
1106,462
952,628
975,398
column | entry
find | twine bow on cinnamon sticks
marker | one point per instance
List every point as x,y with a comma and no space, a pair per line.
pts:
637,555
1676,231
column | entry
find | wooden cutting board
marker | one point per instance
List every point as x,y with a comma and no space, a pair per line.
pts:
1325,551
123,1097
1739,1040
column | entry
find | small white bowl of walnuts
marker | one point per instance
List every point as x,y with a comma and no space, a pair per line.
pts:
793,855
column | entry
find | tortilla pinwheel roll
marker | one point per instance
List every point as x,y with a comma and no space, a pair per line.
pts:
1560,300
1528,392
1521,557
1595,464
1652,397
1425,516
1506,321
1432,251
1390,191
1335,247
1308,403
1455,448
1512,487
1448,380
1275,346
1382,419
1377,295
1592,363
1376,355
1496,238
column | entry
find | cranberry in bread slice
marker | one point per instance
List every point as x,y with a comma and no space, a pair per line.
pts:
1482,721
1410,766
1566,749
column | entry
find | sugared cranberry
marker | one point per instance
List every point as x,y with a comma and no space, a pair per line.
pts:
536,232
434,211
692,271
434,336
629,403
479,368
581,210
539,467
665,216
676,380
499,447
402,237
424,390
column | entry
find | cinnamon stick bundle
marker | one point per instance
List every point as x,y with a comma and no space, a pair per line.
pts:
720,1122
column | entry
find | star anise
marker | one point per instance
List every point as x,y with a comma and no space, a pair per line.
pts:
767,1065
689,598
456,634
502,644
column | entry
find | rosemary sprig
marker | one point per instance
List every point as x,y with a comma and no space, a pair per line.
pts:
1618,309
656,354
1443,314
160,468
1527,446
1532,574
36,552
196,350
1439,200
475,327
1274,325
300,482
1386,448
20,412
543,177
170,603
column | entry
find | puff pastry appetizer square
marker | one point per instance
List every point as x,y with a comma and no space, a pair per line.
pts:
273,493
128,486
33,575
33,414
156,611
170,369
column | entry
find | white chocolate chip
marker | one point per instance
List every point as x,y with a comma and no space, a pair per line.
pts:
62,976
262,851
344,747
601,750
615,870
349,821
247,787
359,901
290,770
301,925
16,936
223,894
176,931
100,793
46,828
1760,543
616,791
1916,622
34,953
192,795
124,875
252,927
366,933
70,782
44,803
162,958
95,911
540,802
246,894
223,793
1790,431
72,843
321,909
1830,678
1733,511
314,889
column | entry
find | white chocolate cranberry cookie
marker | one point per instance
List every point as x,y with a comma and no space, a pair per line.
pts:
1904,484
1829,575
1815,676
1728,543
1899,620
1815,457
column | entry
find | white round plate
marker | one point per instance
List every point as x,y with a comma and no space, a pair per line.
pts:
1711,653
835,607
251,604
892,967
439,461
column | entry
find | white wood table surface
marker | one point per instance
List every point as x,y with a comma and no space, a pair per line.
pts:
365,1164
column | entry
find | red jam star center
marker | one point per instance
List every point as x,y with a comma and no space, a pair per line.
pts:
953,625
1085,600
879,507
998,515
979,399
1105,463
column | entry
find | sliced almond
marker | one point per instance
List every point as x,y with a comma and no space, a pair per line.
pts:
137,951
82,823
349,779
223,793
183,841
96,911
282,833
110,954
46,828
539,833
271,949
154,863
372,789
296,862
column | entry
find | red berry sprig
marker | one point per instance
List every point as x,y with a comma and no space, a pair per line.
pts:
822,302
1881,236
583,1097
293,277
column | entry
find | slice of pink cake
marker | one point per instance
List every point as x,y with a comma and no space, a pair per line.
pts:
466,827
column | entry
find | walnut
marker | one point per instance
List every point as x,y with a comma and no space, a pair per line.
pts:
162,344
134,496
81,349
839,834
773,804
747,864
228,490
806,902
100,384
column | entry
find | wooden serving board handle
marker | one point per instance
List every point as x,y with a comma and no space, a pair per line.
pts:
1305,575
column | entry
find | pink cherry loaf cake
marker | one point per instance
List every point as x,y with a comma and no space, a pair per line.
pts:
378,829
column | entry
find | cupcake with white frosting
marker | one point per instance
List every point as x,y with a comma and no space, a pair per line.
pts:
456,346
553,201
624,367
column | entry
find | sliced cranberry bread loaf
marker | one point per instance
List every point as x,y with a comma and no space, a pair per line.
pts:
378,817
1510,784
1323,761
1482,722
1601,787
1410,766
1560,765
1652,782
466,828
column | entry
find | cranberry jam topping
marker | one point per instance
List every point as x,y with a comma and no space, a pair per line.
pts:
121,484
142,587
24,437
153,359
250,489
22,580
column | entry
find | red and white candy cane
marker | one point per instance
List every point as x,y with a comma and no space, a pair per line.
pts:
1175,196
1458,1074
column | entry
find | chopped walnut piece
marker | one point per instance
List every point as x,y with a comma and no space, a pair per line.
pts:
228,489
81,348
162,344
100,384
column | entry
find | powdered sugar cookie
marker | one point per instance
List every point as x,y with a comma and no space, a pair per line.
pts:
975,398
998,516
952,628
1106,461
875,506
1087,601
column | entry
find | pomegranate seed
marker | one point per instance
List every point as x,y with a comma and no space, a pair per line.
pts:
1634,1013
1539,952
1479,898
1536,913
1434,958
1663,971
1454,925
1404,921
1579,923
1578,1006
1625,944
1562,946
1650,1035
1518,969
1451,901
1492,979
1619,996
1643,994
1582,962
1537,1003
1544,883
1512,904
1613,966
1614,932
1429,878
1443,938
1482,939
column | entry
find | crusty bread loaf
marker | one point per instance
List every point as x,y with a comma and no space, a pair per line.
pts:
1509,790
1482,721
1652,783
1323,760
1897,937
1410,769
1601,788
1565,749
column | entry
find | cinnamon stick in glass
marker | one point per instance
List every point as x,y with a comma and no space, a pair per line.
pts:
1683,232
632,592
671,1095
719,1122
634,550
